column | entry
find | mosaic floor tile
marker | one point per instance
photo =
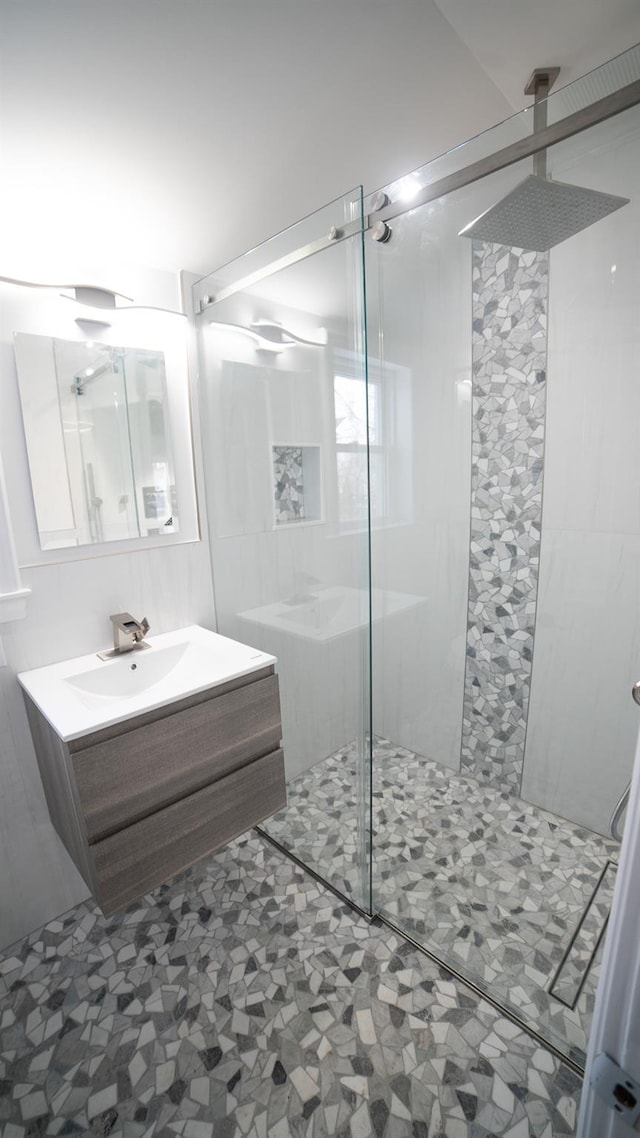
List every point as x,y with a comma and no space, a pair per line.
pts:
242,1000
493,885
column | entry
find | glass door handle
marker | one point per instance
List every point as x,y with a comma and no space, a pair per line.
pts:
635,691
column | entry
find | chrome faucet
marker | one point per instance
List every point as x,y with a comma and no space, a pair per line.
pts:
128,634
306,588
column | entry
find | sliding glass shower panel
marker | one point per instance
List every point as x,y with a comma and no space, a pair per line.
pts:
285,420
505,624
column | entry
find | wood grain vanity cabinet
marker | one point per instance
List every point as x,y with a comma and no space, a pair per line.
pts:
139,801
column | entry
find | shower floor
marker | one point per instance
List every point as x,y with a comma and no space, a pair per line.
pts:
513,897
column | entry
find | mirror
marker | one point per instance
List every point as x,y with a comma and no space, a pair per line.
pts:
97,427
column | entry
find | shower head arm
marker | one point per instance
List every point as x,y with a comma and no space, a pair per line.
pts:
539,85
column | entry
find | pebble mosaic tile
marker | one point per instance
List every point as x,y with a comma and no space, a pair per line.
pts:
509,349
494,886
242,1000
288,484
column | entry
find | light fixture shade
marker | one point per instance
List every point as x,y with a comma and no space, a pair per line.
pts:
92,295
269,336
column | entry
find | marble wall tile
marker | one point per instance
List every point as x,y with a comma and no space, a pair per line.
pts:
583,723
593,402
509,378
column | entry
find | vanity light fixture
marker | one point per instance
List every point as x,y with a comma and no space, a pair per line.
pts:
93,296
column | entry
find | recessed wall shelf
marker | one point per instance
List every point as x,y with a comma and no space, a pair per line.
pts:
297,483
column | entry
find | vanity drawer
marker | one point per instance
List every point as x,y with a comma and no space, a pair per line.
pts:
123,779
144,855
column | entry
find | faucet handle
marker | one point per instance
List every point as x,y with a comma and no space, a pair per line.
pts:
124,620
128,633
127,624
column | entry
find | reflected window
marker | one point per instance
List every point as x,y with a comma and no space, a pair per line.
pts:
387,484
350,404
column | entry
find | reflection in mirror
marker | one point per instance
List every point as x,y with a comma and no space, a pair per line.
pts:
96,426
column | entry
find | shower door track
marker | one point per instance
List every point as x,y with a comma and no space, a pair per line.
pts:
378,919
598,112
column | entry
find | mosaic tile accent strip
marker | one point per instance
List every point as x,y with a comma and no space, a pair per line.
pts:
493,885
509,379
288,484
242,1001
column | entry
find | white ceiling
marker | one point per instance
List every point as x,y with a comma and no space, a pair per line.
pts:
178,133
508,38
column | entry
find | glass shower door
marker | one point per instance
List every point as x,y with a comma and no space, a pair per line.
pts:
503,729
284,399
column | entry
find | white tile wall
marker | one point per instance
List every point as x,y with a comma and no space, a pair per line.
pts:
582,722
419,289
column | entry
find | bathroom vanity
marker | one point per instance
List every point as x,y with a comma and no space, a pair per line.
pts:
153,760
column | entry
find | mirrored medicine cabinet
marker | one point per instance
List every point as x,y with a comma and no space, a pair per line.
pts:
103,434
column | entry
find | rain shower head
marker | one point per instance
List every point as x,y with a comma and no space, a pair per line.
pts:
540,213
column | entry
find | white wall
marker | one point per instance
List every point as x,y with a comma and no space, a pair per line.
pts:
67,615
582,722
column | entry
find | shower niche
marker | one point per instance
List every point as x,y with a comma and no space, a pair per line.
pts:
297,484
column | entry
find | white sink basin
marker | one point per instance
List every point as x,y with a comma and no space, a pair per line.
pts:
332,612
82,695
133,673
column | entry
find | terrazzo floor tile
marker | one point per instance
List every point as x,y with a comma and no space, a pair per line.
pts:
494,886
242,1000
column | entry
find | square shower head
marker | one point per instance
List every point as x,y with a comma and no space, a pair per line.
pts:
540,213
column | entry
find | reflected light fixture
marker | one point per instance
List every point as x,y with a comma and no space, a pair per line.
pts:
269,336
277,334
90,326
408,188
